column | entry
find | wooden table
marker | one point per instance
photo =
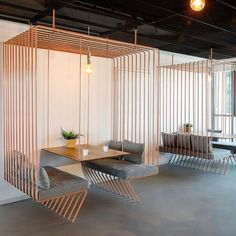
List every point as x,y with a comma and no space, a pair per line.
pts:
95,152
211,134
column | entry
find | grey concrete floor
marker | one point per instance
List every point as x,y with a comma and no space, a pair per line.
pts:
177,202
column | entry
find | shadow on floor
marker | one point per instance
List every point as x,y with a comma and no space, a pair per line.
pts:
179,201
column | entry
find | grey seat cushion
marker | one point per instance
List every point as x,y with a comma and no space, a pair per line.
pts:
136,151
183,141
121,168
201,143
116,145
43,179
61,183
169,140
25,170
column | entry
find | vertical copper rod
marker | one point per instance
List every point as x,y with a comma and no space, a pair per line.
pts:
115,100
148,104
222,101
80,85
214,80
198,102
15,115
194,105
88,109
144,104
124,97
166,122
224,98
12,99
185,100
24,123
7,117
177,106
20,114
28,115
4,110
113,97
53,19
189,100
202,105
233,111
10,73
128,101
36,109
32,112
135,37
158,112
181,101
173,97
120,97
116,95
206,92
48,99
132,99
7,85
170,115
211,54
153,108
140,96
135,98
21,121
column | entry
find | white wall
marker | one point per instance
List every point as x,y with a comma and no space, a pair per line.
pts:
64,95
63,90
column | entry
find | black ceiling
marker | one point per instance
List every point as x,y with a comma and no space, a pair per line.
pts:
166,24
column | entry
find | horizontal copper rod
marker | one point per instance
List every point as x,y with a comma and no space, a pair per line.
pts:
46,35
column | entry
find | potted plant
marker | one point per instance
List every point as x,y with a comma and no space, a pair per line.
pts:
70,138
188,127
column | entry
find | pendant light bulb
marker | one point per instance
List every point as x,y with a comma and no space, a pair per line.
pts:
197,5
209,78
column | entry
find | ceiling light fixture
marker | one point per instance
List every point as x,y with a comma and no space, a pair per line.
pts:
89,67
197,5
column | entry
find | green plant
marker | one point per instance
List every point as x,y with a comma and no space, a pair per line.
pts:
70,134
188,125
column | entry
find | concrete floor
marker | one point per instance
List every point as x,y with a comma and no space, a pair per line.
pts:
177,202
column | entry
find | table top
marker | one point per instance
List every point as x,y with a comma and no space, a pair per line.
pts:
95,152
212,134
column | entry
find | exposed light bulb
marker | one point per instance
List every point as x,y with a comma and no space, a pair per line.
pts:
197,5
89,68
209,78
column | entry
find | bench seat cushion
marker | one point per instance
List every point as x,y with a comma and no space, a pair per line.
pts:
121,168
61,183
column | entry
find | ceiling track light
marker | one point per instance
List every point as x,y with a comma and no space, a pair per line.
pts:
197,5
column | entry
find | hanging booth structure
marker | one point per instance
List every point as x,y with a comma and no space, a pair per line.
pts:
135,102
197,109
